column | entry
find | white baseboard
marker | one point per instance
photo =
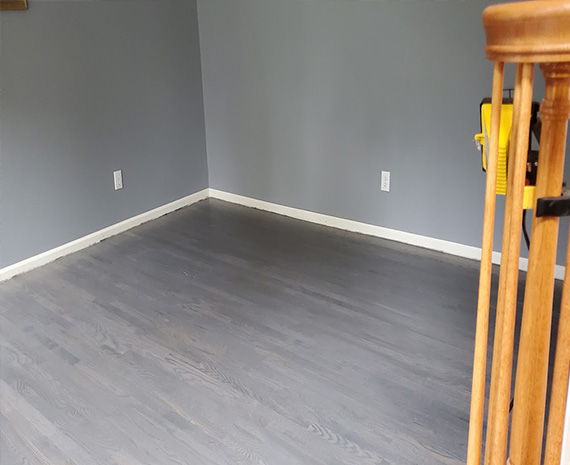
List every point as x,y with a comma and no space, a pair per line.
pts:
440,245
452,248
85,241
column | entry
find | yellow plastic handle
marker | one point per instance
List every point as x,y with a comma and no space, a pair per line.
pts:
480,140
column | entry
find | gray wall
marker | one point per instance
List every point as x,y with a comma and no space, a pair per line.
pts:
306,102
88,88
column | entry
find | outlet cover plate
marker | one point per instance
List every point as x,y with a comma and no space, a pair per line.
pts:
118,179
385,181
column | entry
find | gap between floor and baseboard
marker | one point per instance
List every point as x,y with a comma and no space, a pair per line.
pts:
452,248
440,245
49,256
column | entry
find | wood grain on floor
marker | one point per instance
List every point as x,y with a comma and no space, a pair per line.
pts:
225,335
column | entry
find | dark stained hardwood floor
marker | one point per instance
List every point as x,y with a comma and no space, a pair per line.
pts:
224,335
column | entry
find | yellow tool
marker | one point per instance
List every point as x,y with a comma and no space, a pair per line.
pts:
482,141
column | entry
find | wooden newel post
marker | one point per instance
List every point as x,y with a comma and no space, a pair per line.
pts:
532,367
559,390
525,33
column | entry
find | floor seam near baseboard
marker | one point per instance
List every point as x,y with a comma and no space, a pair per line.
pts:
426,242
440,245
48,256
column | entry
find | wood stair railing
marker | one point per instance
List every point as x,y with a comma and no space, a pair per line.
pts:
524,33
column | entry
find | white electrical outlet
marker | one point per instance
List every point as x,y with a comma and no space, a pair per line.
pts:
118,178
385,181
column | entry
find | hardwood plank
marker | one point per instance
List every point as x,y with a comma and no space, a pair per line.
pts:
225,335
